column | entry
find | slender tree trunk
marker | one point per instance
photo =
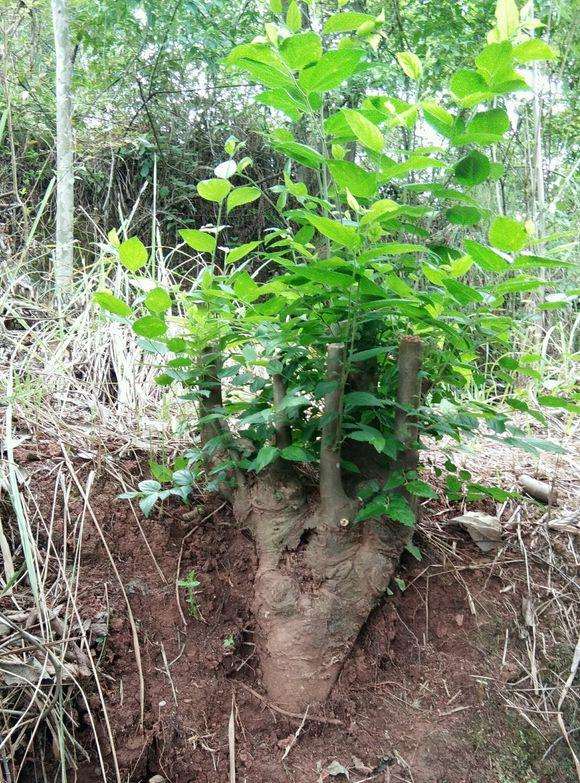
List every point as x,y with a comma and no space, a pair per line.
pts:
538,183
63,256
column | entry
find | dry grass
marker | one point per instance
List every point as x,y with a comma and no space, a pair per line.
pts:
46,662
82,384
538,561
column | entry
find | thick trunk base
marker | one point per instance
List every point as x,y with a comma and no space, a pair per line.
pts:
315,586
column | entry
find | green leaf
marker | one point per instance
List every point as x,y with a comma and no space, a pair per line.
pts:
420,488
146,504
463,216
361,183
439,119
159,472
539,262
395,249
533,50
551,401
374,510
366,131
401,584
322,274
337,232
267,75
486,127
150,326
158,301
399,286
507,17
237,253
380,208
243,195
264,457
369,435
433,274
149,485
226,169
293,16
415,551
345,22
533,445
301,50
330,71
301,153
485,258
473,169
459,266
245,287
198,240
508,234
517,285
370,353
133,254
256,52
358,399
325,276
495,64
214,189
296,454
497,171
410,64
413,163
281,100
469,88
112,304
464,294
400,511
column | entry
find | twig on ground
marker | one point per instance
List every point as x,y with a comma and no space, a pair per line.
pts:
281,711
294,739
232,741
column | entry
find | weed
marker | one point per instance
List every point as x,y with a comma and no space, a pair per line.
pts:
229,643
190,585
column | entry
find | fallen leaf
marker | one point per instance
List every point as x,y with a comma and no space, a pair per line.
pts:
484,529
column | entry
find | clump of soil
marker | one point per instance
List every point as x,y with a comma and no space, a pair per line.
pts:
416,701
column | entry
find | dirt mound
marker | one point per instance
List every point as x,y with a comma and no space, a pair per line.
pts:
418,700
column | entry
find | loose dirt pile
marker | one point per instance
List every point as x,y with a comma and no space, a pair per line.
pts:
455,678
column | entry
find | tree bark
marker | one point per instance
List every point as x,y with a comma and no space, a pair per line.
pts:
63,255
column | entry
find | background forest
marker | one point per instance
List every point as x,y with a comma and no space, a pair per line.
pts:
131,625
154,104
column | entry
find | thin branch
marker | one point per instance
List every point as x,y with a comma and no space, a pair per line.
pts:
297,716
214,401
283,431
152,125
408,394
331,490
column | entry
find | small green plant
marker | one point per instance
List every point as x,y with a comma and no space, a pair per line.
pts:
151,490
191,584
229,643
